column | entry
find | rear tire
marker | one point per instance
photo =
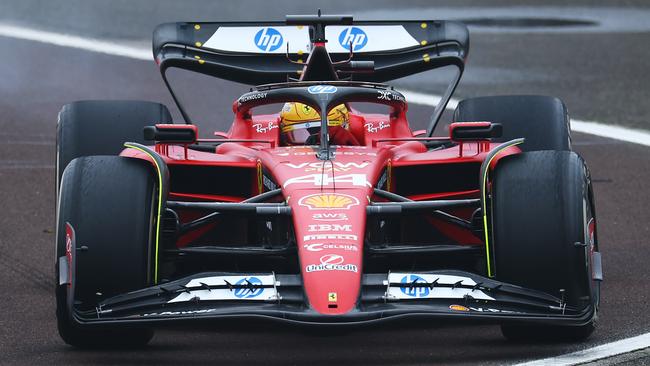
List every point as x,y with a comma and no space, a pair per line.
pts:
542,207
109,201
100,127
543,121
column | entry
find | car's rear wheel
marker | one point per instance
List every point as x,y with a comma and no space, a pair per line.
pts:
109,202
543,121
543,225
100,127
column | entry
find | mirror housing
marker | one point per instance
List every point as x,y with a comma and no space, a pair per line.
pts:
474,131
171,133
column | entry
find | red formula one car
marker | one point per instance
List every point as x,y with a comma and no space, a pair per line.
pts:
319,213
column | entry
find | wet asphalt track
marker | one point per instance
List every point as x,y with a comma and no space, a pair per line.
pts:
602,76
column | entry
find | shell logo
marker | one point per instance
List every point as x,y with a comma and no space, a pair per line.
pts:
331,201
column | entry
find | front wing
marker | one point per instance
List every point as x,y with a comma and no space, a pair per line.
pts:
437,294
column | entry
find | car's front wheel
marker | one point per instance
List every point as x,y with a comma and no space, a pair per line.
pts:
543,225
108,202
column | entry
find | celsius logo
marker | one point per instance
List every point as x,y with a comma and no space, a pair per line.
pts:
353,35
268,39
254,288
408,289
321,89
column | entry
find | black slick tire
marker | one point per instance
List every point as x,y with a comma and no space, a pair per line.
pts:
109,201
542,208
100,127
543,121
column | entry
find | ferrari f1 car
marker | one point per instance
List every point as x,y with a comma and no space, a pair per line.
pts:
494,222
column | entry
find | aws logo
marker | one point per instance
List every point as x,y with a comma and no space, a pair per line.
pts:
333,201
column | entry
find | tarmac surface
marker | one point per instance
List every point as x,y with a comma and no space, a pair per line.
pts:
601,75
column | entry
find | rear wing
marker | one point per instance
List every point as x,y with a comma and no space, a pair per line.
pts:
271,52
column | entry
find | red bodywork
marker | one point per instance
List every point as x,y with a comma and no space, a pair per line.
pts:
328,198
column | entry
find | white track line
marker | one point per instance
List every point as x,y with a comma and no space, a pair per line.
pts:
116,49
596,353
594,128
82,43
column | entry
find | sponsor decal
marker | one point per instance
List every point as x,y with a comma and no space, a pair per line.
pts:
260,128
65,266
322,89
458,308
366,38
383,95
331,262
354,35
479,309
328,166
332,259
184,312
249,292
329,227
414,291
389,95
248,288
260,39
440,286
302,151
332,297
317,247
491,310
268,39
591,229
330,217
320,180
331,201
398,97
354,153
330,237
372,128
252,96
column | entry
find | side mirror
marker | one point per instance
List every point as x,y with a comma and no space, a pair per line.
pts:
169,133
474,131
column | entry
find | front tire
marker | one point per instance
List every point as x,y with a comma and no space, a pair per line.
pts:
543,225
109,202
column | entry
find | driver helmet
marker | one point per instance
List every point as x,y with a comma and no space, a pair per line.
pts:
298,121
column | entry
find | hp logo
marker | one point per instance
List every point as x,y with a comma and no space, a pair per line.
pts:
268,39
356,36
254,288
413,291
321,89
